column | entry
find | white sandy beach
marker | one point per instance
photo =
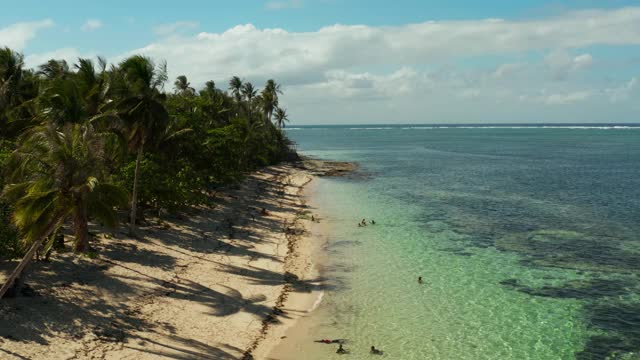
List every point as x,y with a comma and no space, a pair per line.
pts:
218,283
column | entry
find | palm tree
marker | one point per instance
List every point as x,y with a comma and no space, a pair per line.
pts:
210,86
270,97
249,93
17,88
281,117
11,64
54,69
269,103
142,111
93,83
235,85
57,174
183,86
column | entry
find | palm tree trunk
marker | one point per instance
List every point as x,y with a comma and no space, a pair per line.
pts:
134,196
16,275
81,228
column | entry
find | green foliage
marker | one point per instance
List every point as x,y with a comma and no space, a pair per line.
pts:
9,238
80,130
159,191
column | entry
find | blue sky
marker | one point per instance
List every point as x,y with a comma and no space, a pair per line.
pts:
402,61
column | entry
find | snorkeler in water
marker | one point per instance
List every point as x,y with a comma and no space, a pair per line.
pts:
375,351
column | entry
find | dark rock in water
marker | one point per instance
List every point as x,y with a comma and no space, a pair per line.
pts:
575,289
510,282
621,322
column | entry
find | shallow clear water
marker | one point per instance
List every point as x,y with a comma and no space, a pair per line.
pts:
527,239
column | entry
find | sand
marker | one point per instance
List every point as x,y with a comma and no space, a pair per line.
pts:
221,282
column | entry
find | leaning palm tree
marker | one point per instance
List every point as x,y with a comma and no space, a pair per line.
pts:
235,85
57,174
183,86
281,117
142,112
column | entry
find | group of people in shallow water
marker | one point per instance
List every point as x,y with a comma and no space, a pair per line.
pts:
364,223
342,350
340,342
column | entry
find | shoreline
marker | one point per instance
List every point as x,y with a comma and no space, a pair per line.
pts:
223,282
300,304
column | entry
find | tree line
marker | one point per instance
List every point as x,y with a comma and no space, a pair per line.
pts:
92,141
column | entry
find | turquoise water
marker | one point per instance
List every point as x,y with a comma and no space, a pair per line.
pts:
527,239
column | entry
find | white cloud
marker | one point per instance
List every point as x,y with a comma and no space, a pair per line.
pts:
17,36
624,92
582,61
284,4
404,73
561,64
506,70
300,57
71,55
566,99
172,28
91,25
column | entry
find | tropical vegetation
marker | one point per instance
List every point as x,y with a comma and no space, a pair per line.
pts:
93,142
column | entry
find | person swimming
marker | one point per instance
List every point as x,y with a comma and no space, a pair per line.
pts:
420,280
375,351
328,341
373,222
363,222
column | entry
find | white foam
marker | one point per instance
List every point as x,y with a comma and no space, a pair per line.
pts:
316,304
373,128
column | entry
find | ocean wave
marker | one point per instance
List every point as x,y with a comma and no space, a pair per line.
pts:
373,128
317,302
523,127
574,127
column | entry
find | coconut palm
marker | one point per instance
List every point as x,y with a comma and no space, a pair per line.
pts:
270,97
248,92
269,103
142,111
281,117
54,69
235,85
57,174
210,86
183,86
93,83
11,64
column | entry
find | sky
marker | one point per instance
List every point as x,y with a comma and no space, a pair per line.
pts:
369,61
